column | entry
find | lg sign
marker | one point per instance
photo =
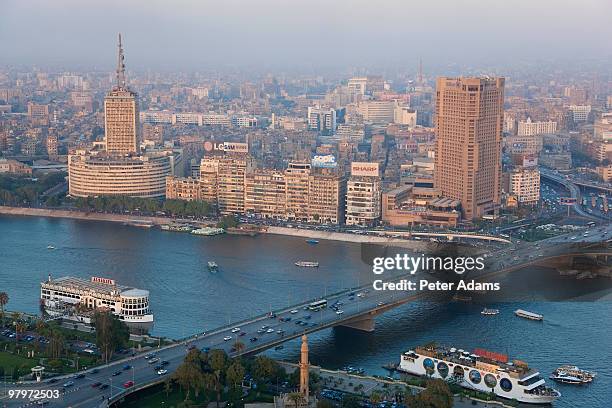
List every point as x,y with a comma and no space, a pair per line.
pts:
226,147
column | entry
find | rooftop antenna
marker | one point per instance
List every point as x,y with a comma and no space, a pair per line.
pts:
120,67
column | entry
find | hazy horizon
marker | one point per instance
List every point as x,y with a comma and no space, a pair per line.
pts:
198,35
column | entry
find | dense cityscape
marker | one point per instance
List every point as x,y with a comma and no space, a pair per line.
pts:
235,237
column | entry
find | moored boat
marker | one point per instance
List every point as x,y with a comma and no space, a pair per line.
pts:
208,231
480,370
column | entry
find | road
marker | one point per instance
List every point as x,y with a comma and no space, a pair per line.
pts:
351,304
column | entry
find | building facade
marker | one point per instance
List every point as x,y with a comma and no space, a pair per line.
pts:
469,121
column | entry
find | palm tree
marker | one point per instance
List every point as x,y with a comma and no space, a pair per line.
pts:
4,298
20,328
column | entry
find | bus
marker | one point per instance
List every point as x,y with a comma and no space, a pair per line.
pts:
318,305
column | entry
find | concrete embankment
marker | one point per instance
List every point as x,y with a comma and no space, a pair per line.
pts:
80,215
335,236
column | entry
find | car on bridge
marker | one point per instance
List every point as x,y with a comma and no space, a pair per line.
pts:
227,338
128,384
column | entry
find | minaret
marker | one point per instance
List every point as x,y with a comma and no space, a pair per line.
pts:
304,369
120,67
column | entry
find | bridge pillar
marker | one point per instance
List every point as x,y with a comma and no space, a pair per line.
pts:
363,323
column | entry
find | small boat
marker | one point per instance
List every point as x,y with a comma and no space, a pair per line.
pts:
50,247
212,266
528,315
570,374
489,312
312,241
307,264
566,378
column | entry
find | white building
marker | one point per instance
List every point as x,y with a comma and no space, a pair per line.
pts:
322,119
530,128
525,185
580,113
363,194
403,115
377,111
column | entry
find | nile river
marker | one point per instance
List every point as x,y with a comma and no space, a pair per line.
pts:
258,274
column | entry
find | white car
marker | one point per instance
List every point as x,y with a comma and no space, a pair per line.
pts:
162,371
227,338
294,311
235,329
270,330
339,312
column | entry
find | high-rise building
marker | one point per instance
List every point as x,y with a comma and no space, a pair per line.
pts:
230,184
469,121
121,115
525,185
38,114
120,169
382,112
322,119
297,177
363,193
265,193
326,196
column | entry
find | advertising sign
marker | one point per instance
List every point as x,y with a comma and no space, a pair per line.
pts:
226,147
106,281
364,169
324,160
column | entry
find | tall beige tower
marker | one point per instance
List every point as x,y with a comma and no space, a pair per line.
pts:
121,115
469,120
304,369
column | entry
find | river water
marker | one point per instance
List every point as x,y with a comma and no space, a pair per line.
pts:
258,274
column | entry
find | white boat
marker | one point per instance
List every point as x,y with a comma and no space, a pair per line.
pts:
481,370
528,315
307,264
489,312
212,266
50,247
566,378
208,231
570,374
131,305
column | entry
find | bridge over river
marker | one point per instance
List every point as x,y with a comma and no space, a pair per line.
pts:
354,308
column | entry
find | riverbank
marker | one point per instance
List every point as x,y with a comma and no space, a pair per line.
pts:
126,218
81,215
342,381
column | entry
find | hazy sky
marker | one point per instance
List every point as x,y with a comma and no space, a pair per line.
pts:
186,35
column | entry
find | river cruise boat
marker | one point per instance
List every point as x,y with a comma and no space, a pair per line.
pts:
61,296
569,374
480,370
177,227
212,266
489,312
208,231
307,264
528,315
